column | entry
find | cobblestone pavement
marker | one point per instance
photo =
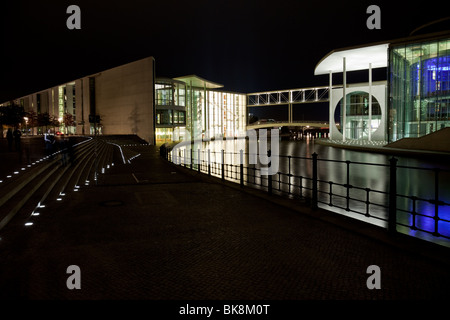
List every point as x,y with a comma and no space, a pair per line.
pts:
150,231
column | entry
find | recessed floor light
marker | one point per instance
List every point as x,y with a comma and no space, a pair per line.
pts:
29,223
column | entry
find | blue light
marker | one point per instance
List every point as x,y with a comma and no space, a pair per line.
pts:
432,75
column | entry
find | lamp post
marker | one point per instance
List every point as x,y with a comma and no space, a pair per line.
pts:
26,124
60,119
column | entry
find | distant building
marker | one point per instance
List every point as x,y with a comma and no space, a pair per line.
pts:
412,101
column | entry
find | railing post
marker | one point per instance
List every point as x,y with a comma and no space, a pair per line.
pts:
241,164
269,176
392,218
223,165
348,186
436,202
314,186
199,162
209,162
192,159
289,175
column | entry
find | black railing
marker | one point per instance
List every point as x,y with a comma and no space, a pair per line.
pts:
340,195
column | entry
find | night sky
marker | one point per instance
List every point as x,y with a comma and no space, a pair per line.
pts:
247,46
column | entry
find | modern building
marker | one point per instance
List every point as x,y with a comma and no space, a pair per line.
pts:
129,100
190,107
412,101
115,101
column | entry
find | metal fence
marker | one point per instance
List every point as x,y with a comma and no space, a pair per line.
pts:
384,206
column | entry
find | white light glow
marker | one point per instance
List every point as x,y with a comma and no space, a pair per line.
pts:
29,223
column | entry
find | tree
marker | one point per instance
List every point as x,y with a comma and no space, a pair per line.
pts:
252,118
44,120
68,120
11,115
32,119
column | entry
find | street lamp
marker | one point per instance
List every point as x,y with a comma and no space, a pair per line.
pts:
26,124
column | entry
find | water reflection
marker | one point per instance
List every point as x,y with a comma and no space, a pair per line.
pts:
367,174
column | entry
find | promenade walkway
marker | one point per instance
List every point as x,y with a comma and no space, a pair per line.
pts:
150,230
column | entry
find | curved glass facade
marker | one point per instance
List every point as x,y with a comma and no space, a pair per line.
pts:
358,120
419,89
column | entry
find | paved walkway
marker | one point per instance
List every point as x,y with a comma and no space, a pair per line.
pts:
151,231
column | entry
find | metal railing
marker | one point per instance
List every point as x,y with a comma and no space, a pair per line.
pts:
384,205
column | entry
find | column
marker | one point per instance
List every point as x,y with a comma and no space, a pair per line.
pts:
330,99
344,99
370,101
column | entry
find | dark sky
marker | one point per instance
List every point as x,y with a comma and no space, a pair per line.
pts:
245,45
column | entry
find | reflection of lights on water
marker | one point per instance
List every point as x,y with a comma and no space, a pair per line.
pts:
425,221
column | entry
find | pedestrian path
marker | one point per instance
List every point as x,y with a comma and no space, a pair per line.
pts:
150,230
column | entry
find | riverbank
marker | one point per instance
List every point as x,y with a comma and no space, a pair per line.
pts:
409,149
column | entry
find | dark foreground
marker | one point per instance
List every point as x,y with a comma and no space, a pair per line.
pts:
150,231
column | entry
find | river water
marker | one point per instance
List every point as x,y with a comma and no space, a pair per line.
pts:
359,189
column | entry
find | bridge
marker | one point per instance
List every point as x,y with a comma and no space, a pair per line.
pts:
276,124
289,97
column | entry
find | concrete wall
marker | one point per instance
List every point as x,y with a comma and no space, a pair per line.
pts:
378,91
82,106
124,99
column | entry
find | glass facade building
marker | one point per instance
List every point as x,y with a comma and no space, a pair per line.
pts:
170,105
189,108
419,89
